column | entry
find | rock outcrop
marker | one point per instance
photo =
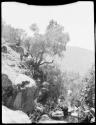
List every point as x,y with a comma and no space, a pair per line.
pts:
11,116
21,88
25,97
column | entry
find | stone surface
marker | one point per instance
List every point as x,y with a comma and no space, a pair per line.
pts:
21,78
10,116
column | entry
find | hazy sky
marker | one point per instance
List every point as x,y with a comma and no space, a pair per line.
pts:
77,19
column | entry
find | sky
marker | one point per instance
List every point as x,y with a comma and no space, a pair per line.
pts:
77,19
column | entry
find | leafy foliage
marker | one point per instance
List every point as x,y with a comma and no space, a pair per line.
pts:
54,78
12,35
89,90
56,38
53,42
72,82
34,28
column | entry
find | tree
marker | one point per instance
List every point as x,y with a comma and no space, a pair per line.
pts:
55,37
90,88
55,80
27,43
52,43
88,92
34,28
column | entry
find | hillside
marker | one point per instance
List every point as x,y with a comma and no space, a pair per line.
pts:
22,97
76,59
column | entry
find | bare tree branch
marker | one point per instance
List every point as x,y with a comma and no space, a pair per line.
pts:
47,62
41,57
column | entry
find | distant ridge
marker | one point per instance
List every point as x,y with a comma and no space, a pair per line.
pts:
76,59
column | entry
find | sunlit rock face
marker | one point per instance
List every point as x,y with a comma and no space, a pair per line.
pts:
21,78
20,97
25,97
28,104
11,116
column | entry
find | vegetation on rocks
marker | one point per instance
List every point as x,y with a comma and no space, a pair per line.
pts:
34,84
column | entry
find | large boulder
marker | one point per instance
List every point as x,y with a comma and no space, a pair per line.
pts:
9,71
28,103
22,97
7,91
21,78
11,116
26,95
17,102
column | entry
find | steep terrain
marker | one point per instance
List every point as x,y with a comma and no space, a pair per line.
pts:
18,95
75,59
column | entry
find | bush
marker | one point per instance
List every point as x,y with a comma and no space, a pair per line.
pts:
88,93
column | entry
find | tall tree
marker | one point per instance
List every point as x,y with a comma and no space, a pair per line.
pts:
52,43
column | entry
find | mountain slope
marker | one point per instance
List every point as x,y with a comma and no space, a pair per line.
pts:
76,59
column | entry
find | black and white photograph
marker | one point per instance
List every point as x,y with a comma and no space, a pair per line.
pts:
48,63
